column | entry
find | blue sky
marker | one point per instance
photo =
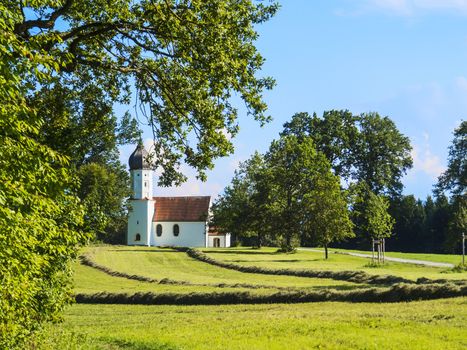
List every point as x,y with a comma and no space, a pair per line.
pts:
406,59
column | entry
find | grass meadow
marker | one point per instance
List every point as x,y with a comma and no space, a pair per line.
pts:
304,259
433,324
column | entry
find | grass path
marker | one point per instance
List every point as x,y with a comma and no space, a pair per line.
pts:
389,258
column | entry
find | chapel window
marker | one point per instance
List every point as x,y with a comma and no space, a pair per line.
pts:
138,237
159,230
176,230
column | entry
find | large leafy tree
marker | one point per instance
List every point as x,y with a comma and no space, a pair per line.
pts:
38,211
79,123
300,176
454,179
184,58
366,148
103,191
327,215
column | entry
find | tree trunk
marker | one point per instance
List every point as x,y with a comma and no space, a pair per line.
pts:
325,251
288,239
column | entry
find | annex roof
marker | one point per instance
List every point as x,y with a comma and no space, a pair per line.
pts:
190,208
214,231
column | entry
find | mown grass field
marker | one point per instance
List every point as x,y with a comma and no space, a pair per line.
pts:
434,324
267,257
168,263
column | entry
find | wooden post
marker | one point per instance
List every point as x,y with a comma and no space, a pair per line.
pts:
384,248
372,250
463,248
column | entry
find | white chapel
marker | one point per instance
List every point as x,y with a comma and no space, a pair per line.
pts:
167,221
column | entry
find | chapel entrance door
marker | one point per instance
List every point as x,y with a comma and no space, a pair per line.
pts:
216,242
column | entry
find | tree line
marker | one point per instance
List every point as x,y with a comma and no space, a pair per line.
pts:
336,179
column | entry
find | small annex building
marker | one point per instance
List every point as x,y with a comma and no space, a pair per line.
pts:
166,221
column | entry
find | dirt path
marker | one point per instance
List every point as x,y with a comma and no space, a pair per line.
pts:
400,260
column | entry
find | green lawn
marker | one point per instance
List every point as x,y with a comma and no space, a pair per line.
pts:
437,324
266,257
167,263
89,280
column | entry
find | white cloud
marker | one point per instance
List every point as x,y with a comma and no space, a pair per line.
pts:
424,161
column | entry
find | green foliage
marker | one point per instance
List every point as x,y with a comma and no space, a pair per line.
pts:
286,196
38,213
241,210
186,58
294,170
454,179
378,222
103,190
365,148
328,216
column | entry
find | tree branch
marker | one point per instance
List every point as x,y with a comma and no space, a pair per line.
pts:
21,29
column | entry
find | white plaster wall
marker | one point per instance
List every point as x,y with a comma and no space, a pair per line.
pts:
142,181
139,221
224,241
192,234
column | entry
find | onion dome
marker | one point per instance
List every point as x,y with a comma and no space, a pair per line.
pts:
139,159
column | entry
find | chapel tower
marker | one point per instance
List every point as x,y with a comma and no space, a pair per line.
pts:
142,204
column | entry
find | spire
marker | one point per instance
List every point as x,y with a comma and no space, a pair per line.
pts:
139,158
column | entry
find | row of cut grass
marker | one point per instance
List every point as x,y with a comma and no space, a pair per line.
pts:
88,280
302,259
167,263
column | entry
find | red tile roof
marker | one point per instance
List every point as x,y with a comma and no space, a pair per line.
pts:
190,208
214,231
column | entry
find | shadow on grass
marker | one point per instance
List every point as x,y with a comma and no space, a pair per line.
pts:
135,345
153,250
245,252
279,261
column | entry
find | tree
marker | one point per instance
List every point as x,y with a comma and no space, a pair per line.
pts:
80,124
335,135
298,175
382,154
328,217
241,209
454,179
185,58
411,233
367,148
38,211
103,191
378,222
286,195
457,226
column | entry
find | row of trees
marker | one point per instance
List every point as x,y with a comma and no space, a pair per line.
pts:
295,193
429,226
354,194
